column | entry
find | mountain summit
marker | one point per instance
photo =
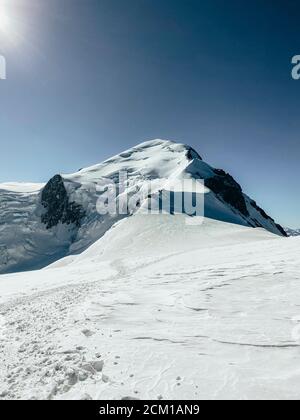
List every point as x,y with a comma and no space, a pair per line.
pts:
41,224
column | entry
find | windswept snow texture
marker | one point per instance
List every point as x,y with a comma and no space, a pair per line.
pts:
39,226
157,309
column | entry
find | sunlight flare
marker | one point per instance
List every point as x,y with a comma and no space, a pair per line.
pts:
5,20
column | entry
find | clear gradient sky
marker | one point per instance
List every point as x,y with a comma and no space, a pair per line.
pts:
90,78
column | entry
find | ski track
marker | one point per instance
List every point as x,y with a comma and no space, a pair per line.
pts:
196,333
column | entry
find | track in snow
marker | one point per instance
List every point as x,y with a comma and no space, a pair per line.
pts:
208,323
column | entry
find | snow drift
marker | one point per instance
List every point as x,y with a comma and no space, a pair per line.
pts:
157,309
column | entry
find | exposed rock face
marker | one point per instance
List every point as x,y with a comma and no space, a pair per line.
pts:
192,154
261,211
224,186
267,217
279,227
59,209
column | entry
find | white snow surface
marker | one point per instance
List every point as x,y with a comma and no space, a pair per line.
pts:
21,187
157,309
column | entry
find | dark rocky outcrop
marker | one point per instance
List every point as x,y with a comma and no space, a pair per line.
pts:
59,209
261,211
224,186
267,217
192,154
280,228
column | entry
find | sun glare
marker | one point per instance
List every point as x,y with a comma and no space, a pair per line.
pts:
5,21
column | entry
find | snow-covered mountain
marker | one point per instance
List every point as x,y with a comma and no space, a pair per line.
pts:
145,307
292,232
42,223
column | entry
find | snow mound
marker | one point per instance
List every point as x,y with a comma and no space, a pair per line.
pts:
154,236
156,309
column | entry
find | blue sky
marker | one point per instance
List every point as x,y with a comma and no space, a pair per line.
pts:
90,78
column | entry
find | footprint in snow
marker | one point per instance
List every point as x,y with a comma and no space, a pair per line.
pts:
86,397
88,333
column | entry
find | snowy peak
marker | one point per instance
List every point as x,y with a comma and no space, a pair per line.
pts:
152,159
162,159
62,217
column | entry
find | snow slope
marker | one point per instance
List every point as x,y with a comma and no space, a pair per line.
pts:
21,187
41,225
25,243
157,308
